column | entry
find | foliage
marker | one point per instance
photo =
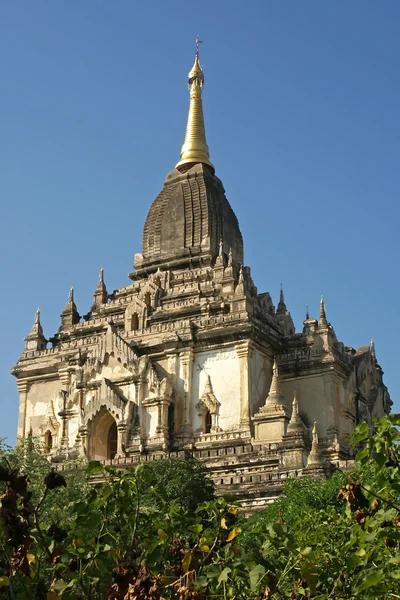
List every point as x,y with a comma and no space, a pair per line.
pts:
135,536
185,482
29,458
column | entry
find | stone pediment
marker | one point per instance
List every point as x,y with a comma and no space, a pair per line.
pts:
208,400
108,396
50,422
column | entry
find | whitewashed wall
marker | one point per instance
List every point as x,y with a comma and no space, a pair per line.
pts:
223,368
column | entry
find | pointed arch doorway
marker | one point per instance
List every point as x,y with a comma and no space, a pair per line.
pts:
104,436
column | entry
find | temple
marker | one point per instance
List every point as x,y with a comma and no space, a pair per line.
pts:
189,359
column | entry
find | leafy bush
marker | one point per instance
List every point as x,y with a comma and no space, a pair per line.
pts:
157,532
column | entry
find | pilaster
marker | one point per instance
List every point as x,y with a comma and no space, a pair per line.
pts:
121,430
83,432
244,352
23,389
187,359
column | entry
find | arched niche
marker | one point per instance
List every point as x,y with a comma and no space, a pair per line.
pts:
103,434
48,442
134,322
207,425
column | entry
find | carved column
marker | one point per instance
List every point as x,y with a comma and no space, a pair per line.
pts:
187,359
65,377
121,429
23,388
83,432
159,417
172,371
163,415
139,394
64,414
243,351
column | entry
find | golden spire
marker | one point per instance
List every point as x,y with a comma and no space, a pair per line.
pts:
195,149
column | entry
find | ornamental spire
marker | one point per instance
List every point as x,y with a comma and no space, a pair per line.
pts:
315,459
195,149
322,323
281,308
70,315
372,349
36,340
100,295
295,424
275,396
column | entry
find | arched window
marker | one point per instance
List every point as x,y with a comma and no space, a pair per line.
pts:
134,322
48,442
208,422
112,441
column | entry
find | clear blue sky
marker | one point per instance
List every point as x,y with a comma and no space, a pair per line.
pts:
302,114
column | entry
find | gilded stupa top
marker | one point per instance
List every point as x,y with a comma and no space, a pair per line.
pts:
195,149
196,72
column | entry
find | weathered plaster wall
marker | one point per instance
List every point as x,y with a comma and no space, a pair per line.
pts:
223,368
317,398
39,395
261,376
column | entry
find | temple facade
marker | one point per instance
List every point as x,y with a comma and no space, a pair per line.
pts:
190,359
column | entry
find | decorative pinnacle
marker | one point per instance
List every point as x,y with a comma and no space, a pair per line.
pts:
295,424
37,316
307,313
221,245
322,314
372,348
295,405
275,376
71,294
101,275
195,149
315,433
315,458
281,308
230,260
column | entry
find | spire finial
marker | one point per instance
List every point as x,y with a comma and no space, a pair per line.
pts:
295,424
295,404
274,389
198,42
281,308
36,340
71,293
315,459
241,274
195,149
322,314
307,313
275,397
372,348
101,275
315,433
230,259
